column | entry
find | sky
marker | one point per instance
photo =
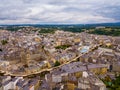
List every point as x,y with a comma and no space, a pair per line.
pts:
59,11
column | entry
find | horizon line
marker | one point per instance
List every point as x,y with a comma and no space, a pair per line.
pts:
58,24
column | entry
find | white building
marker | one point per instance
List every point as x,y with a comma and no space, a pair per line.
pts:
10,83
83,83
56,78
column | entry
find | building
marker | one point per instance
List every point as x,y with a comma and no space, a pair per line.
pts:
97,68
91,83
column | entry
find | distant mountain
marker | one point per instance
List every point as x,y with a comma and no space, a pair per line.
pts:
105,24
65,27
54,25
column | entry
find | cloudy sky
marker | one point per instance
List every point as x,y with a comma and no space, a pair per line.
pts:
59,11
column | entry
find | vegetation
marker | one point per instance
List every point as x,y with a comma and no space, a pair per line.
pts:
4,42
73,29
1,50
42,74
1,74
47,30
57,63
112,84
111,29
106,31
62,47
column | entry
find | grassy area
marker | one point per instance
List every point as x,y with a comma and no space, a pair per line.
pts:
106,31
62,47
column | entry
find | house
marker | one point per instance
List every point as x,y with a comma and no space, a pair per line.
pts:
5,63
77,40
14,81
11,83
32,84
73,69
5,78
69,86
100,27
98,68
105,49
83,83
7,85
56,78
1,88
91,82
20,84
116,67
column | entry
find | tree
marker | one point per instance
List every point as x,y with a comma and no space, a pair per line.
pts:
57,63
1,50
4,42
112,84
62,47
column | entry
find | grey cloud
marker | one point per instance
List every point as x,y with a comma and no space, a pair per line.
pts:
110,12
59,11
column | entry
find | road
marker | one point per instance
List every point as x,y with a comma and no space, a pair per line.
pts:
24,75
